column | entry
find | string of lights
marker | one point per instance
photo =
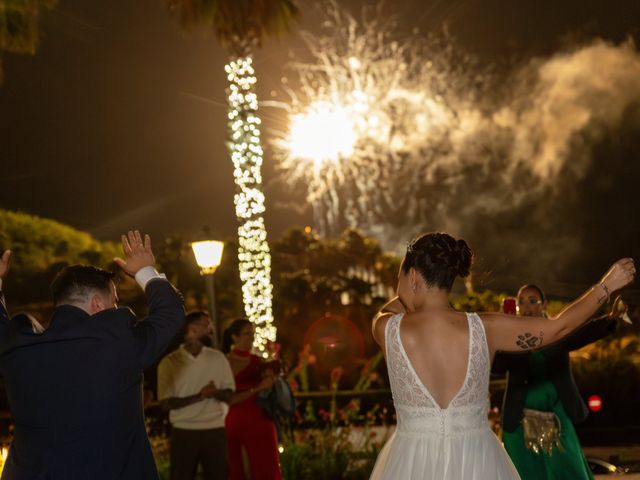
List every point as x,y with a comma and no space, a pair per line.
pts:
246,153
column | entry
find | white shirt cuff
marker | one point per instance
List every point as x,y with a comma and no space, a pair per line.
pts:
146,274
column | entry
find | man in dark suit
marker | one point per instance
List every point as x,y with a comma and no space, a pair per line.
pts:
75,390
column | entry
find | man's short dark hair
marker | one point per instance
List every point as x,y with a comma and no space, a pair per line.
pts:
194,316
74,284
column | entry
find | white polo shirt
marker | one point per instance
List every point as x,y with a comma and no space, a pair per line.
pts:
180,374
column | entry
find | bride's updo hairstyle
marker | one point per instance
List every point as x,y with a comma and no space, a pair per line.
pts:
439,258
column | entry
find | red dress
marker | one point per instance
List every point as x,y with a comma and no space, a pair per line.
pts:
249,427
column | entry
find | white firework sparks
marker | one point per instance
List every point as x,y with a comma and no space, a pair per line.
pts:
399,136
366,110
334,121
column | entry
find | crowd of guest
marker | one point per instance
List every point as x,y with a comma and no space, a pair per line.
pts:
75,388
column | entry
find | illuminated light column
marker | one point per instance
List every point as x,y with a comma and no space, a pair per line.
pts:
246,153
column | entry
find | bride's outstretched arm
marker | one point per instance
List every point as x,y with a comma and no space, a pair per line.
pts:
508,333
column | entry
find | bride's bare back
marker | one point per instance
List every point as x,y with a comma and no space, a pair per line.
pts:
437,346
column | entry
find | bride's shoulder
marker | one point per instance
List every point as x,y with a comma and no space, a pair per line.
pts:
491,321
379,326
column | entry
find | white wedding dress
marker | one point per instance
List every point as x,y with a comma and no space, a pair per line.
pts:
432,443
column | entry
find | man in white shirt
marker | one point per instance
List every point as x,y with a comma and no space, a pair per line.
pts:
195,383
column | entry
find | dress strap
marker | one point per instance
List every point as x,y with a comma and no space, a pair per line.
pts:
390,332
480,335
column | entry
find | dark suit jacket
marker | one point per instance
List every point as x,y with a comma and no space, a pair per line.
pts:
75,391
558,371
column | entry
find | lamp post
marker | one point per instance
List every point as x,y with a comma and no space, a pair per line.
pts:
208,255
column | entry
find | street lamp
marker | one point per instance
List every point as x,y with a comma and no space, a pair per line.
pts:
208,255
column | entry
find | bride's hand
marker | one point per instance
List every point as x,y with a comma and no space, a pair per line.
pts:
395,305
621,274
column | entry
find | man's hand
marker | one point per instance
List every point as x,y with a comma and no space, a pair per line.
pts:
209,390
4,263
138,253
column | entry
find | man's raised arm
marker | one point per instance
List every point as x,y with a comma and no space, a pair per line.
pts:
166,313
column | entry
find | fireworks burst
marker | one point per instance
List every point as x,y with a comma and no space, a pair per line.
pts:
367,113
400,136
334,122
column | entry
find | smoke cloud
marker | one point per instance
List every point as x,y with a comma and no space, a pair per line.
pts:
577,97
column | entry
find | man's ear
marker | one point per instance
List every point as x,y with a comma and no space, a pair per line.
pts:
96,304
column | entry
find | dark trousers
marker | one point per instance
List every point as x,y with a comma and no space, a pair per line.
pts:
190,447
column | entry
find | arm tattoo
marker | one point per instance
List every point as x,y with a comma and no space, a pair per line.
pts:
528,340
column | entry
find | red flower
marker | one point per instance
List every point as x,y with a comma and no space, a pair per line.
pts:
336,374
295,386
326,416
306,357
366,367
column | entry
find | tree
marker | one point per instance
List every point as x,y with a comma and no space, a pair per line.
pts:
41,247
240,26
19,26
337,283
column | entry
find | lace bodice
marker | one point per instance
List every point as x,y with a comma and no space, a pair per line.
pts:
416,409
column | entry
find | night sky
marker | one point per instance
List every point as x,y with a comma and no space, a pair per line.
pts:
118,121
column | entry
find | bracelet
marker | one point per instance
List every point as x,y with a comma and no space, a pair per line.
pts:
606,290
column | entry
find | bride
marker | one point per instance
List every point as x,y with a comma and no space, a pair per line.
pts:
439,362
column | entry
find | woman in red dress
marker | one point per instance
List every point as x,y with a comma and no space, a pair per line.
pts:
251,434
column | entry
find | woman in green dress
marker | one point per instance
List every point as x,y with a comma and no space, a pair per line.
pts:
542,401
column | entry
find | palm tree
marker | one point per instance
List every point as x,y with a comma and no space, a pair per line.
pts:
240,26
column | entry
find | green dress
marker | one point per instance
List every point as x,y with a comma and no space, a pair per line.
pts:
568,463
